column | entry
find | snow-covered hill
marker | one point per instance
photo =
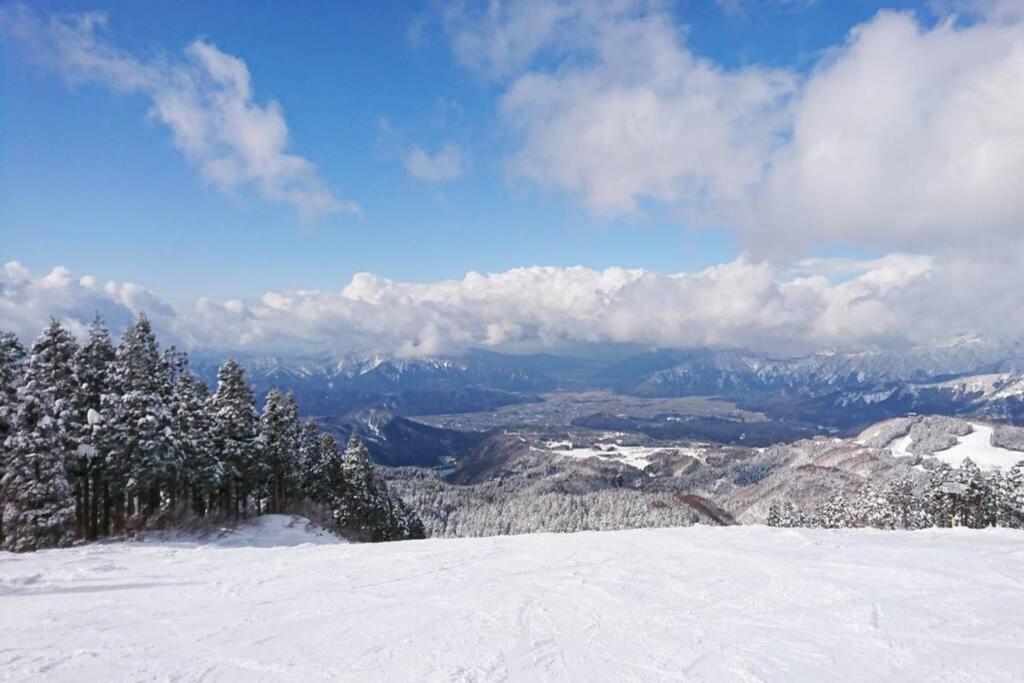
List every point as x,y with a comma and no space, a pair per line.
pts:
742,603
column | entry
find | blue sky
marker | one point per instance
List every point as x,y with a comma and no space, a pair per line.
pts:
826,173
90,183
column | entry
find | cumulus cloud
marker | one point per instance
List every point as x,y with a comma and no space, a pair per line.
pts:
447,163
905,136
896,300
205,97
27,302
909,135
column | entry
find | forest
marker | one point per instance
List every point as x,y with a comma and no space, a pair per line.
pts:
949,497
102,440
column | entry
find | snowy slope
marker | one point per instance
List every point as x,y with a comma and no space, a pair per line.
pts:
267,531
704,604
978,447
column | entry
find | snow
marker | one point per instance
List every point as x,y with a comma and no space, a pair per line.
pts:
638,457
267,531
700,603
978,447
900,446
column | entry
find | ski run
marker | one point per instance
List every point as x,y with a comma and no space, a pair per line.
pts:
280,600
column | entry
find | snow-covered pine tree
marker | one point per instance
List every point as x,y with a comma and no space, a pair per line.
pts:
236,422
902,504
39,506
1009,495
92,372
365,508
200,469
278,448
12,361
834,513
360,509
977,509
312,463
941,500
873,509
136,433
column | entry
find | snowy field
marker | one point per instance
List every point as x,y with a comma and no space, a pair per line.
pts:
700,604
638,457
977,446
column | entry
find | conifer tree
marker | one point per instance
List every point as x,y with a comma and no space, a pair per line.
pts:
12,361
312,463
235,431
92,372
1009,495
39,507
136,434
200,472
278,448
360,509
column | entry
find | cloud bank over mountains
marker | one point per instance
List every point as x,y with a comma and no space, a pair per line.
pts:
820,304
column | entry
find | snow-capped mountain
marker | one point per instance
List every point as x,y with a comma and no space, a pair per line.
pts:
336,384
728,372
842,390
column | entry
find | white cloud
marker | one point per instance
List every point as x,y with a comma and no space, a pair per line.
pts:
204,97
895,300
907,136
27,302
447,163
634,115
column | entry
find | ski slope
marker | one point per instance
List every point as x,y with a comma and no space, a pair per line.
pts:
978,447
698,604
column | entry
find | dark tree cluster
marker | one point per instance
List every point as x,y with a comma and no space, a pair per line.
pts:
950,497
101,440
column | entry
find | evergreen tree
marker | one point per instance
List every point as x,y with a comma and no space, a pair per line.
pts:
977,509
1009,498
278,448
904,510
235,432
92,372
201,472
136,432
12,360
312,463
359,509
40,445
834,513
364,507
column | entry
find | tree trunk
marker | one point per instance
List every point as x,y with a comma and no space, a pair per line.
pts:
94,510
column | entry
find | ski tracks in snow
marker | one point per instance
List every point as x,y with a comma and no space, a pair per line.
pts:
700,604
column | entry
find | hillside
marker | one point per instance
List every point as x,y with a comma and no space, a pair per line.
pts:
741,603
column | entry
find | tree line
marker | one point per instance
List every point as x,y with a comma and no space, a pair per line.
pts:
101,439
949,497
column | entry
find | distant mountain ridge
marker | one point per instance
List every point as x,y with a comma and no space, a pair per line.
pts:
836,389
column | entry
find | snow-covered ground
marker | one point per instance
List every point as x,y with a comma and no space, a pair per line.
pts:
977,446
638,457
700,603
